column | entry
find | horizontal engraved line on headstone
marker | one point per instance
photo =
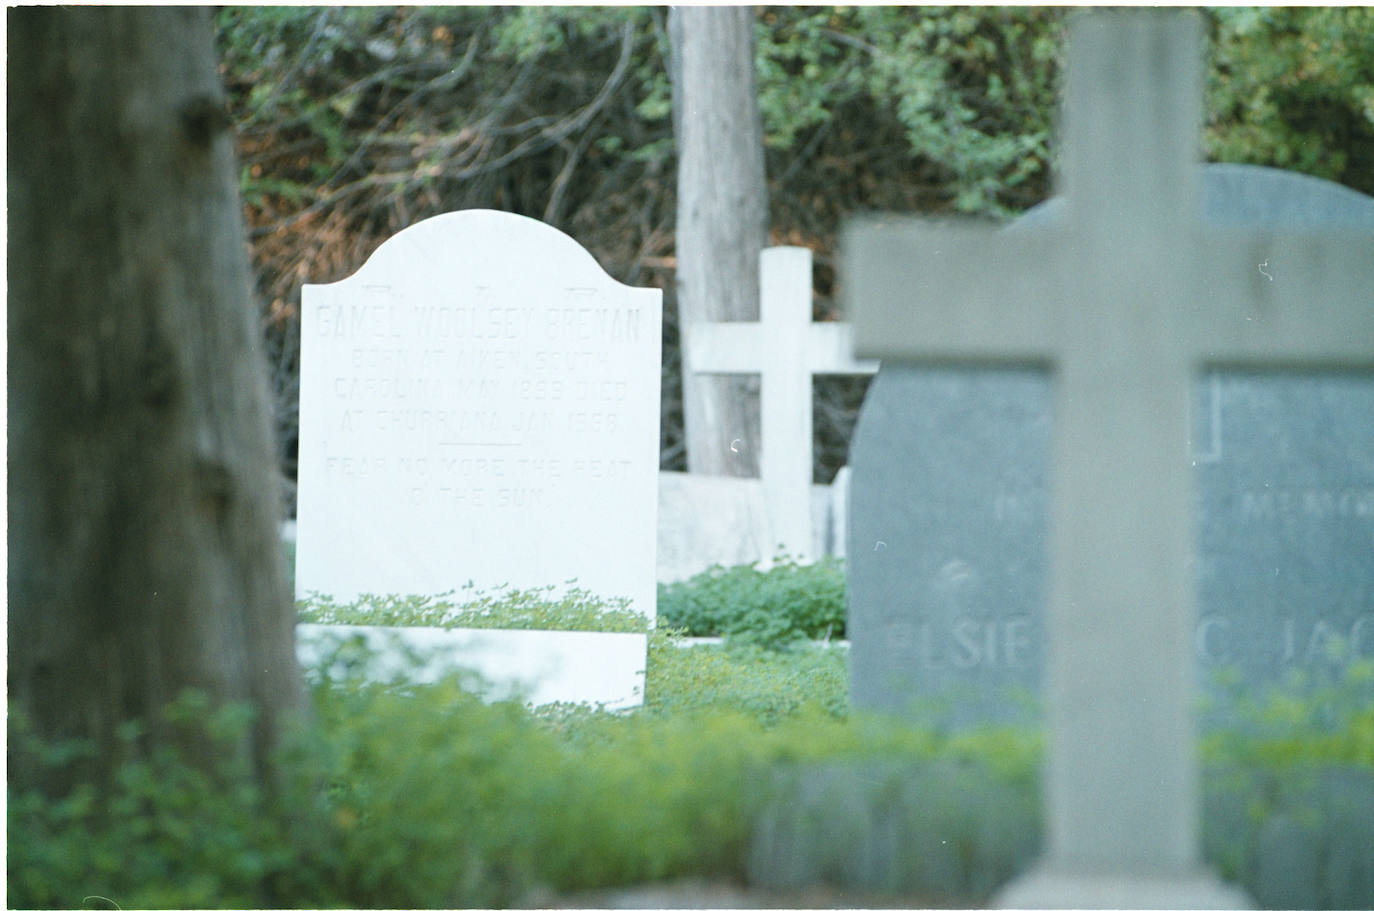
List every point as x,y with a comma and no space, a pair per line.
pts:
483,359
393,420
474,322
477,323
358,320
394,360
976,644
1308,502
581,390
966,643
1291,641
481,497
393,387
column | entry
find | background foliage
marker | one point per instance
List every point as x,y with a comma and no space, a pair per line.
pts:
355,122
1294,88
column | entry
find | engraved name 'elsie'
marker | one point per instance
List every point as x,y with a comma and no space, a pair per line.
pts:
968,644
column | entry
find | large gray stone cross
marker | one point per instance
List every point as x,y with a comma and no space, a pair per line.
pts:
1124,304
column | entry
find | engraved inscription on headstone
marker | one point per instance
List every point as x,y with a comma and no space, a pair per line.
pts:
1286,562
479,403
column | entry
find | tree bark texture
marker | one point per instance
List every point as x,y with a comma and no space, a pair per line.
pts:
722,220
144,551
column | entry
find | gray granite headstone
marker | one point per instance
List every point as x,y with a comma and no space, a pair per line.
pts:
948,534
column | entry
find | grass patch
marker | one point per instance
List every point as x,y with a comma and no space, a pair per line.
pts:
745,763
469,608
427,796
765,684
775,607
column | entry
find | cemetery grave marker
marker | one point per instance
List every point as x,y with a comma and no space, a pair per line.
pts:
786,349
479,404
956,473
1125,303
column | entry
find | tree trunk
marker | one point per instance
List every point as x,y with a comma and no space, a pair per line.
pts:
144,551
722,220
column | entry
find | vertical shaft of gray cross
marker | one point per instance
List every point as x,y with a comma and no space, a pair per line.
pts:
1104,303
1119,667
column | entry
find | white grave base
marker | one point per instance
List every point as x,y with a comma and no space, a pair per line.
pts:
544,665
705,520
1046,887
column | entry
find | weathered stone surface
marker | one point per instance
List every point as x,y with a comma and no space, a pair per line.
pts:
947,554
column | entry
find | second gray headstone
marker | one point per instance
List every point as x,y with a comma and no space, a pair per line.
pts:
948,532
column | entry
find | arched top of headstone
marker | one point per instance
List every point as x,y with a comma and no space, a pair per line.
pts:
1249,195
480,246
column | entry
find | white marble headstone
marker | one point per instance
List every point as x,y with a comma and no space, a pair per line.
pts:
479,403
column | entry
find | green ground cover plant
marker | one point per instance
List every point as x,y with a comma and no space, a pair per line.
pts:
473,608
766,684
424,797
744,764
776,607
1288,790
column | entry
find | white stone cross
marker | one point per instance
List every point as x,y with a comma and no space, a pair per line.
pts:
1124,303
786,349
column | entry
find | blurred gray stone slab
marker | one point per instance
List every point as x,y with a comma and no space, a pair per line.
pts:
947,548
949,509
